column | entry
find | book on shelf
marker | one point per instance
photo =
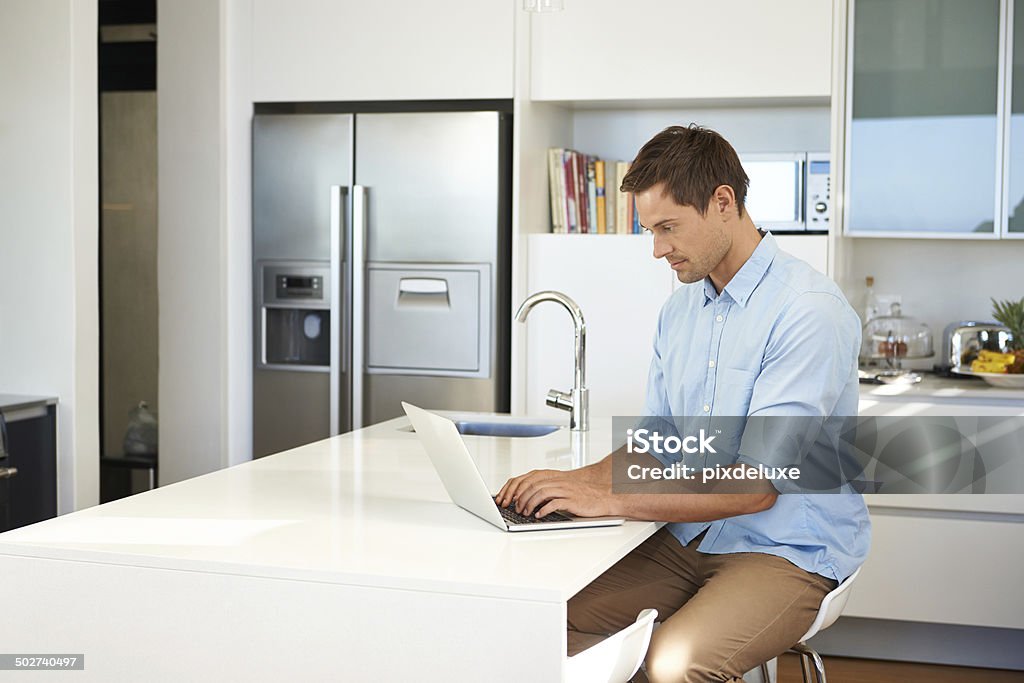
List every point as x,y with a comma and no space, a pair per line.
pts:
556,188
624,202
592,195
570,188
579,188
584,193
611,191
585,196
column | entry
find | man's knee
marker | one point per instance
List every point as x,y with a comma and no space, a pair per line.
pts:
583,613
671,661
599,613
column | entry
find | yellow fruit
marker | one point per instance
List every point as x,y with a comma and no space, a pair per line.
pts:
989,366
995,357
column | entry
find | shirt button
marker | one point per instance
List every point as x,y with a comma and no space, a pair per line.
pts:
719,319
711,363
707,409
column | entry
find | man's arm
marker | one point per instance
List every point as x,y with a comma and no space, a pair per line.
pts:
587,492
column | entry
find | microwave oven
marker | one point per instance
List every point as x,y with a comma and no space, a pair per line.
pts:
789,192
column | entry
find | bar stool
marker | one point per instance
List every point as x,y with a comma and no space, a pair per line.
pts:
832,606
616,658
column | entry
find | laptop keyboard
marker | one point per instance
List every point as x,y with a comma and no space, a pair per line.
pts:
510,515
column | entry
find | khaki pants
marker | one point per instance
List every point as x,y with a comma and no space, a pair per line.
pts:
722,615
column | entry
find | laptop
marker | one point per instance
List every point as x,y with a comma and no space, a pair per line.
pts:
466,487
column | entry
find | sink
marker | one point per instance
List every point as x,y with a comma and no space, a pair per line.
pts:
515,429
497,428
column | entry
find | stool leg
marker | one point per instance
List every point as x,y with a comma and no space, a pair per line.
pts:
805,668
810,664
766,675
819,666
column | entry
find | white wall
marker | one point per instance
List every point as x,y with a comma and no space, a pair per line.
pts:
204,277
535,127
49,193
238,230
620,133
941,281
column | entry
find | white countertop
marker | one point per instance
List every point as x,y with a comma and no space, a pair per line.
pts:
932,387
365,508
16,402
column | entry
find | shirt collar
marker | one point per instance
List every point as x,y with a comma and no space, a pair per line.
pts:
750,274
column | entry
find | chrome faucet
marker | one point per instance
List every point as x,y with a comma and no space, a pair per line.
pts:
574,401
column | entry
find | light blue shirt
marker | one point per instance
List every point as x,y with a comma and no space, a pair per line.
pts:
780,339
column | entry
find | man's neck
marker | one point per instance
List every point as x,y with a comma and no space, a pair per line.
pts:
743,245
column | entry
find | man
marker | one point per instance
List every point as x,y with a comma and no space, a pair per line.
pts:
736,577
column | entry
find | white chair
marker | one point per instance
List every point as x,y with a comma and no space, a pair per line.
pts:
832,606
616,658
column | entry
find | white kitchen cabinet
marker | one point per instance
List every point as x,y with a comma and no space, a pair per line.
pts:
942,570
925,86
620,287
923,564
810,248
342,50
656,50
1014,201
937,399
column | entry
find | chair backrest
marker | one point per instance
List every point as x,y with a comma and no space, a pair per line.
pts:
616,658
832,606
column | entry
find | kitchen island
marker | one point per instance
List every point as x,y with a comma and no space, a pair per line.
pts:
340,560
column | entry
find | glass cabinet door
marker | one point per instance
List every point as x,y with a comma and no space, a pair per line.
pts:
1015,180
922,134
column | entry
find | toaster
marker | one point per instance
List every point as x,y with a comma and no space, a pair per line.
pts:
961,342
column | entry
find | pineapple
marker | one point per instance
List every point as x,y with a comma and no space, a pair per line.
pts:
1011,314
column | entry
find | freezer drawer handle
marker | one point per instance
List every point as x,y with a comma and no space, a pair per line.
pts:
423,291
8,472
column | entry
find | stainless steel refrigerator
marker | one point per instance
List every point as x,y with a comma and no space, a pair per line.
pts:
381,268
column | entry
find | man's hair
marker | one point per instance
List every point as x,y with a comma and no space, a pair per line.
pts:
692,162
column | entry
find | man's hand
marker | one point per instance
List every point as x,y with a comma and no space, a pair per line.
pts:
587,492
579,492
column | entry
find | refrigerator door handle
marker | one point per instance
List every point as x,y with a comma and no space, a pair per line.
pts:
358,289
338,313
423,291
423,285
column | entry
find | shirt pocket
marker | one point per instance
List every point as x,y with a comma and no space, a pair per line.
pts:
734,388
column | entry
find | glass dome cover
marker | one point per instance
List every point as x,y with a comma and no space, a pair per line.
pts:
895,337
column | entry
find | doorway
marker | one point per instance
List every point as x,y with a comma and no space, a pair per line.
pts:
128,242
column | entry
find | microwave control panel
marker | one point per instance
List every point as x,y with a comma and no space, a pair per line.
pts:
818,210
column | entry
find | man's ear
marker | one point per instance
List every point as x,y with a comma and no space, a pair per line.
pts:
723,202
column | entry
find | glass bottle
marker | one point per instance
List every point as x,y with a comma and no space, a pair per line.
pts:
870,310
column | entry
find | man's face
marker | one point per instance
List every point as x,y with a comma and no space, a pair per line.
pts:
692,244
